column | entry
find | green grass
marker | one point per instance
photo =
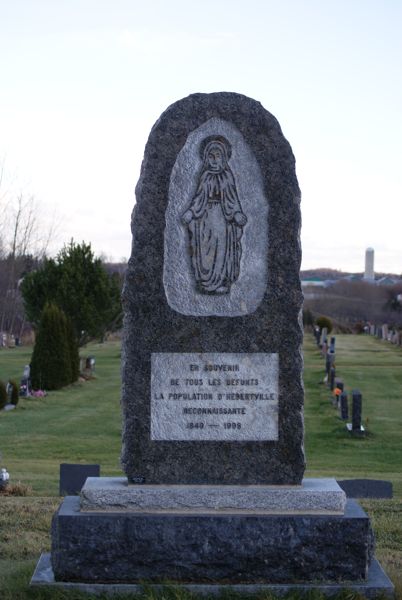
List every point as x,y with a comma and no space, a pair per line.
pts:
79,424
82,423
375,368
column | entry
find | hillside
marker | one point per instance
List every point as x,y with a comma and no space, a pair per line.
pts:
334,274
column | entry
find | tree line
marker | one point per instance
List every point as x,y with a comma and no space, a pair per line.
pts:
68,299
352,304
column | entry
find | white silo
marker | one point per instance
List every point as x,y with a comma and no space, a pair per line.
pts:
369,266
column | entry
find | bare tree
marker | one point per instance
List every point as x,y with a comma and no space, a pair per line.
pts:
24,241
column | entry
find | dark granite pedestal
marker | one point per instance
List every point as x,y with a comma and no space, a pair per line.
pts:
221,549
376,585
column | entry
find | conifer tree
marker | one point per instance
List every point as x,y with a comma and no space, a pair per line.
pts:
51,365
3,395
79,284
73,350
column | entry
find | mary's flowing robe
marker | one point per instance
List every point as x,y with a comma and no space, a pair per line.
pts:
214,234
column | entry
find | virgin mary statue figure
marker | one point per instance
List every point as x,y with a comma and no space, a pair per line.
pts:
215,220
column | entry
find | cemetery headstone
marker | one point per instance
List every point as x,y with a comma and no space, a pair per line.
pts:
332,374
356,426
324,334
327,363
25,384
329,360
344,410
385,332
4,478
356,410
73,477
366,488
339,387
212,392
332,345
9,390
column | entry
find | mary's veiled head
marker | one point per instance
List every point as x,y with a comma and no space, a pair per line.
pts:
215,153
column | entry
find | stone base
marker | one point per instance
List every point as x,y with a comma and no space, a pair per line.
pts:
314,496
376,585
225,548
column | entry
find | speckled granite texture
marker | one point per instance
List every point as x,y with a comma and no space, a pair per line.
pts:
376,585
152,326
314,496
128,547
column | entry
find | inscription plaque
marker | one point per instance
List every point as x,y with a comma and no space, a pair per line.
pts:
214,396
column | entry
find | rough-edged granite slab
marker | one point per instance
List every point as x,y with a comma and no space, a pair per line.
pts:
223,548
170,307
314,496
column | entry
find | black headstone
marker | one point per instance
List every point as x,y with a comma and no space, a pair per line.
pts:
356,410
344,406
332,373
366,488
73,476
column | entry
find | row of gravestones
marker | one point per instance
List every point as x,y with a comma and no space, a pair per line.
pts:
8,340
87,369
384,332
339,397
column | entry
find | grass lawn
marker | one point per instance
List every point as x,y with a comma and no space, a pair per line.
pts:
375,368
79,424
82,423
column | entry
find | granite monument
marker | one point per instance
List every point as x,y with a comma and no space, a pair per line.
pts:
212,390
212,396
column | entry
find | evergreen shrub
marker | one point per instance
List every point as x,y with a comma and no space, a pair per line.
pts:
52,357
72,343
3,395
308,317
324,322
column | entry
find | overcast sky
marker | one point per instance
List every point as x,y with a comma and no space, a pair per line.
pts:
83,81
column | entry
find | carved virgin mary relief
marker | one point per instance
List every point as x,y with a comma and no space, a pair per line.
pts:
216,236
215,220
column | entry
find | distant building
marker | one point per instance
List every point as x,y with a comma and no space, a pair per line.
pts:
314,281
387,280
369,265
